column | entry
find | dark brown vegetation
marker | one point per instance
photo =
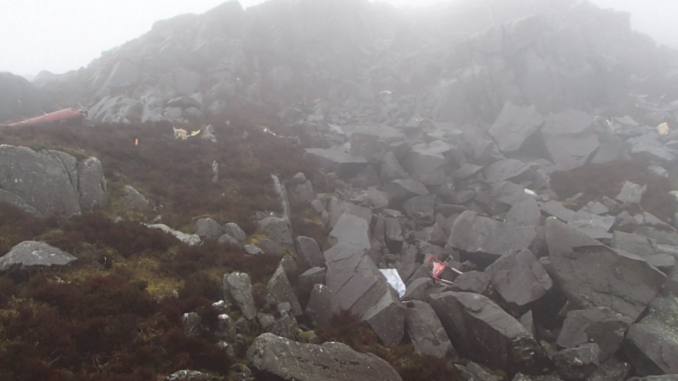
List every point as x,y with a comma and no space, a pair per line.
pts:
346,328
177,175
607,179
104,324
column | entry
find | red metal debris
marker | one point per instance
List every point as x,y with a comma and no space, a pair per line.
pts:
438,268
66,116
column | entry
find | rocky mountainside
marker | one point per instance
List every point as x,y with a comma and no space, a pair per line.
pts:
342,190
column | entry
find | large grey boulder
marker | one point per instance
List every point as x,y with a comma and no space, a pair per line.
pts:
519,277
277,229
281,290
208,228
239,287
599,325
591,274
32,254
476,234
569,138
337,208
352,230
426,162
577,363
345,164
488,334
321,306
651,345
386,318
426,331
272,357
514,125
391,169
355,281
48,183
310,251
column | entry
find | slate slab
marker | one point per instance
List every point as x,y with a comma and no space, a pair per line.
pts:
514,125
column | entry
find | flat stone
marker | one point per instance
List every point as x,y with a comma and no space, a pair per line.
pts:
476,234
472,281
593,225
277,229
426,162
352,230
386,318
334,160
631,193
504,170
240,290
599,325
556,209
519,278
274,357
281,290
402,189
321,306
569,139
488,334
525,212
514,125
32,254
310,251
593,275
651,345
426,331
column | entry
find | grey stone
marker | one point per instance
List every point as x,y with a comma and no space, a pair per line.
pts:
508,169
311,277
476,234
466,171
631,193
386,318
190,375
519,278
226,328
44,182
632,243
334,160
91,184
525,212
269,246
310,251
611,370
391,169
426,162
274,357
556,209
514,125
426,331
355,281
569,138
32,254
192,323
489,335
226,239
321,306
577,363
240,289
588,272
208,228
352,230
651,345
374,142
281,289
417,289
599,325
337,208
420,209
403,189
189,239
235,231
593,225
277,229
133,199
472,281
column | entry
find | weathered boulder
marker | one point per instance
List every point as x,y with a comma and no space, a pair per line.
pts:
591,274
310,251
281,290
426,331
208,228
476,234
386,318
651,345
355,281
321,306
274,357
50,182
487,334
514,125
352,230
577,363
278,229
133,199
519,277
426,162
32,254
335,160
235,231
391,169
569,138
239,287
599,325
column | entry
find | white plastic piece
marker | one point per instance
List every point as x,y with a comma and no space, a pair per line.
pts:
393,278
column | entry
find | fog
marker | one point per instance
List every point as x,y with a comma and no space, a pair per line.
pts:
68,34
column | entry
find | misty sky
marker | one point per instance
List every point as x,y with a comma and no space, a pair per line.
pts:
66,34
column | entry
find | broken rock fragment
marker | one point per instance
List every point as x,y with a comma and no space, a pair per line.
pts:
514,125
273,357
519,277
488,334
426,331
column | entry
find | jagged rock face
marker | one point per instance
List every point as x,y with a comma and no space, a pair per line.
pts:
552,55
48,182
19,98
272,356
